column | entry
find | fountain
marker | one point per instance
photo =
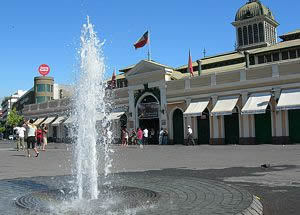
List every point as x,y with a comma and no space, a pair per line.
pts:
88,193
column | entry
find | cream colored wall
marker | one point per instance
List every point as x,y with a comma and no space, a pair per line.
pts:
225,77
289,68
258,73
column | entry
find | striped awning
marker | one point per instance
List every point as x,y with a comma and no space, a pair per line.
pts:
58,120
289,100
196,108
224,106
39,120
257,103
49,120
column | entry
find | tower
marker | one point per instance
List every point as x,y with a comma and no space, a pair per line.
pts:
255,26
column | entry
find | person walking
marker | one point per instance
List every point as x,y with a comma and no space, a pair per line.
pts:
20,130
161,135
165,137
133,137
44,131
39,137
126,134
145,133
190,136
31,137
140,137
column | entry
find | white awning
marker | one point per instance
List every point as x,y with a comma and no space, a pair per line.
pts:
39,120
69,120
196,108
225,106
58,120
115,115
257,103
49,120
289,100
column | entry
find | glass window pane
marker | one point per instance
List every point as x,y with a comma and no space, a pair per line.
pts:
40,99
268,58
276,57
40,88
285,55
292,54
261,59
48,87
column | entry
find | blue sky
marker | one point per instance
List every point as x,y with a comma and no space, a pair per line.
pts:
35,32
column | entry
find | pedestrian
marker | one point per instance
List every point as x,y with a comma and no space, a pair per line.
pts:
145,133
140,137
161,135
165,137
44,131
39,136
126,133
133,137
31,137
152,136
20,130
190,138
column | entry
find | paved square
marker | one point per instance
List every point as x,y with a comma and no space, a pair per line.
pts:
277,186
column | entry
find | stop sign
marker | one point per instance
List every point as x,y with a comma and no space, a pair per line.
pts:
44,69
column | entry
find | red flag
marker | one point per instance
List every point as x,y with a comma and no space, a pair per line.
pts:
190,64
113,80
142,41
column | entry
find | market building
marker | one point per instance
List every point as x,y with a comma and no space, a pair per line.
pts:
247,96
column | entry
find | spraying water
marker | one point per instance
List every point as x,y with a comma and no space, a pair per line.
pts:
90,103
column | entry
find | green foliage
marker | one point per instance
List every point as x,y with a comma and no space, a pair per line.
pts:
13,118
2,129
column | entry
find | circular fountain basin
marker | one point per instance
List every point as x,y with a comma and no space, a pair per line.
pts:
136,193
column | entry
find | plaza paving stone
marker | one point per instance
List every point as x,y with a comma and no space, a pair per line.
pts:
277,187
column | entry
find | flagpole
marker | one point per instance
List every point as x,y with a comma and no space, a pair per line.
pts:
149,47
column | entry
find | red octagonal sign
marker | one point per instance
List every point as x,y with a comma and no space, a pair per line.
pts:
44,69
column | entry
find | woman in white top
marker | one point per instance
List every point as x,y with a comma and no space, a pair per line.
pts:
31,137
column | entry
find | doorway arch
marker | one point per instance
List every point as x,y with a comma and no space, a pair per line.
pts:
178,130
263,127
203,126
232,127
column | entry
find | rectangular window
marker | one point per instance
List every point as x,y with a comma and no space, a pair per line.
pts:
268,58
276,56
292,54
40,88
252,60
40,99
48,88
298,50
261,59
285,55
51,88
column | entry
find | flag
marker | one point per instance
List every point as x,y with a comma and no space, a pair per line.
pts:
190,64
113,80
142,41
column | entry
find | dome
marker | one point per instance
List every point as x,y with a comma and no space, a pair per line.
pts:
251,9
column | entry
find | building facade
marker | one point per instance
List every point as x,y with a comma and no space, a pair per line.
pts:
247,96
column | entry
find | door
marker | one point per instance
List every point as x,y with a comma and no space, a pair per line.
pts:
294,126
232,133
203,128
178,134
263,127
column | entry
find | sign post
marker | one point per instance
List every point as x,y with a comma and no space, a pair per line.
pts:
44,69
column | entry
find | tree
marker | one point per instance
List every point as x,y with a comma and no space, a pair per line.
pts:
2,129
13,118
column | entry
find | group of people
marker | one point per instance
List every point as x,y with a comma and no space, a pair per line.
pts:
36,137
143,137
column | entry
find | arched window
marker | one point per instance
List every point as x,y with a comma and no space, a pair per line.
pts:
261,32
240,37
250,32
245,34
255,30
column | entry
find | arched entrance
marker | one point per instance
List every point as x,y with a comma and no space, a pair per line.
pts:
178,136
294,125
231,123
203,127
123,120
148,115
263,127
